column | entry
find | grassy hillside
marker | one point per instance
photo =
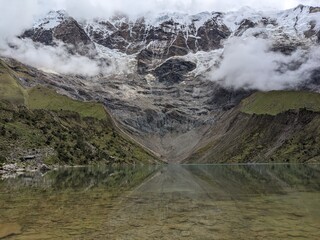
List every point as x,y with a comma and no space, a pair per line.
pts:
44,98
270,127
10,89
275,102
40,122
292,136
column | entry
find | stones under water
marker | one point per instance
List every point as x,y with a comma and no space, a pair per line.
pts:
164,202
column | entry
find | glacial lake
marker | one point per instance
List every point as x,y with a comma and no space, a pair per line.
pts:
163,202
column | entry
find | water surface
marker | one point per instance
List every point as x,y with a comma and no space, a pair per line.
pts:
164,202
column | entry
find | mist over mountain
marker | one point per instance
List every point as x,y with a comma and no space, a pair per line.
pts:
282,44
159,119
168,75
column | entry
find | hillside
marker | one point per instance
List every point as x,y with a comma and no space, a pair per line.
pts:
168,79
275,102
156,73
37,124
267,127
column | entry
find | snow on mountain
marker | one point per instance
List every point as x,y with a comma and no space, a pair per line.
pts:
155,72
147,41
293,23
52,20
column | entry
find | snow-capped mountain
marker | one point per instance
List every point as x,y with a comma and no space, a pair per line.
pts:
151,39
157,84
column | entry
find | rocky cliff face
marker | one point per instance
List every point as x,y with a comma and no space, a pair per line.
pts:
153,39
58,26
164,97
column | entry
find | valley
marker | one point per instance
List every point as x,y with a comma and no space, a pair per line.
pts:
155,76
160,119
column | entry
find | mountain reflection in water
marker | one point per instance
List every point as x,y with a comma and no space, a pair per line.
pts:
164,202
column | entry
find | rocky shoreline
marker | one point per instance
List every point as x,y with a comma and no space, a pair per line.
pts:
15,169
21,161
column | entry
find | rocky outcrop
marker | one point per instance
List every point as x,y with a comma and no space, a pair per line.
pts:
66,30
171,37
145,60
210,35
286,49
124,36
244,26
314,9
227,98
40,35
173,71
71,33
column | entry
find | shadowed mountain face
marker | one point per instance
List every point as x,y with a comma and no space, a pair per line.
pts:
158,88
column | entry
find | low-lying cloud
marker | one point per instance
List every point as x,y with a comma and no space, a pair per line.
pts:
250,64
58,59
49,58
17,16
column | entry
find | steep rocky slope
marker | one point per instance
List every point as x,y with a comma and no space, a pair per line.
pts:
154,38
157,85
58,26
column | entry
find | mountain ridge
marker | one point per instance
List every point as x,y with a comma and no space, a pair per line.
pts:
156,80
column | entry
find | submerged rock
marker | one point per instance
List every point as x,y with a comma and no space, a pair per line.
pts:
28,157
44,168
10,168
9,229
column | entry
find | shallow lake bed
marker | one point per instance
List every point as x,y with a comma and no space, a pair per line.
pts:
164,202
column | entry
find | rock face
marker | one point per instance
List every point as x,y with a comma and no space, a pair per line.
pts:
58,26
70,32
154,39
173,71
164,98
167,36
244,26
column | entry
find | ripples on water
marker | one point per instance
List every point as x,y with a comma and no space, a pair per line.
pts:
164,202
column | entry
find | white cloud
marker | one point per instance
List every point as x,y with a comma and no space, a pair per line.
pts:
249,64
58,59
101,8
17,15
50,58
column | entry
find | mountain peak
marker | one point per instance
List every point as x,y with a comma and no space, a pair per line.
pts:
52,19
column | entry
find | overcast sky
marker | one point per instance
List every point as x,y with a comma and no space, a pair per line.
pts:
102,7
105,7
22,13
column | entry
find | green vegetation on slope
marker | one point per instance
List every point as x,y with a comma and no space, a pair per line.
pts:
10,89
292,136
72,139
39,121
44,98
277,126
275,102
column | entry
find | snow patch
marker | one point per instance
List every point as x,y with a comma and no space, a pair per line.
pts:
52,20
